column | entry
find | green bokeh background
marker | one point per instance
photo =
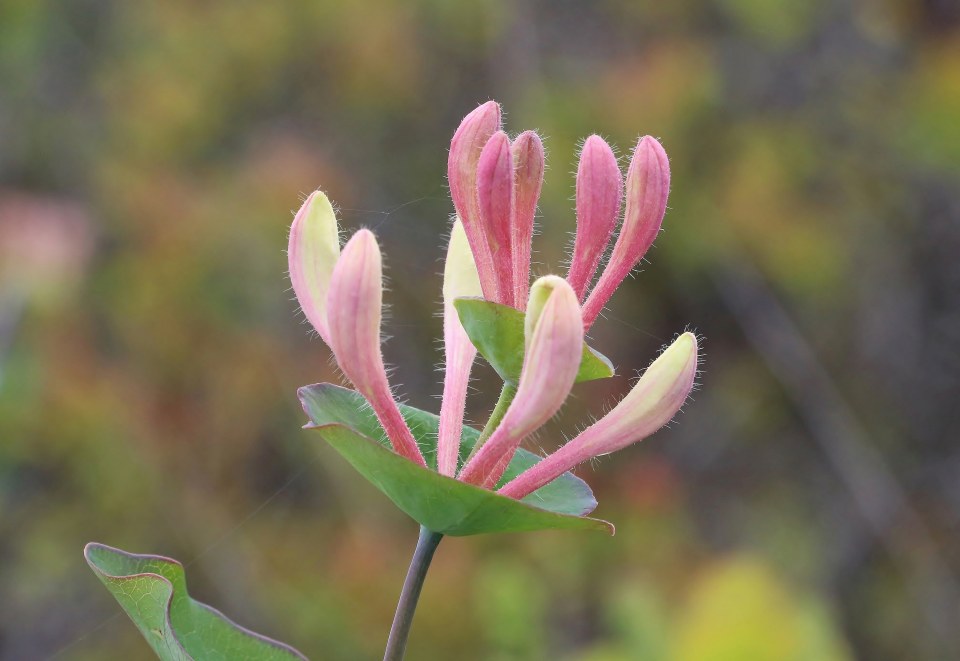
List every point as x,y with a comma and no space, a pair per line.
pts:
804,507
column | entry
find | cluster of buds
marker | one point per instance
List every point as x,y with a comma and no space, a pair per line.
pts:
495,184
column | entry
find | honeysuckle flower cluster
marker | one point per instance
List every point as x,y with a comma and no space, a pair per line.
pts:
451,478
495,184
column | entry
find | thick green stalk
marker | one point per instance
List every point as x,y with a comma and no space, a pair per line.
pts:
410,595
507,394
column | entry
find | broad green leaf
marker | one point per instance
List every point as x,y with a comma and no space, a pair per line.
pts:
497,333
326,404
440,503
153,592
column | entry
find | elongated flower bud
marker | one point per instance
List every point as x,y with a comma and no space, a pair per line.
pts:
354,308
648,185
599,189
459,279
652,402
550,365
468,141
495,190
528,163
313,252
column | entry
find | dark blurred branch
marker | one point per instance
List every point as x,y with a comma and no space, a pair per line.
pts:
11,309
877,494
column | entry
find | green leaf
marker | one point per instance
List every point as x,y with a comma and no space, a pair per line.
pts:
327,404
497,333
153,592
440,503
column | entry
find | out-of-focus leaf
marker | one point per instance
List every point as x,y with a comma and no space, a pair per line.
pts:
497,333
440,503
740,610
153,592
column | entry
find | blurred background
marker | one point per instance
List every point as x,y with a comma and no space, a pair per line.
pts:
806,505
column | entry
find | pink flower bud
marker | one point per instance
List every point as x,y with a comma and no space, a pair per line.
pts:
599,190
554,347
648,184
313,251
651,403
468,141
354,308
495,189
528,163
459,279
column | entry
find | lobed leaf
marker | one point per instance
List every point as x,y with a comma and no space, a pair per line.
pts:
153,592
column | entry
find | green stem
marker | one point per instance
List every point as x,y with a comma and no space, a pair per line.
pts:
410,595
507,394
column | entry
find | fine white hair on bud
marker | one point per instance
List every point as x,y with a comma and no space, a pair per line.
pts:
495,185
649,405
460,278
312,254
354,306
554,347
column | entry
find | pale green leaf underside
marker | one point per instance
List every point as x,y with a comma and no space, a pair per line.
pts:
497,333
440,503
152,590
